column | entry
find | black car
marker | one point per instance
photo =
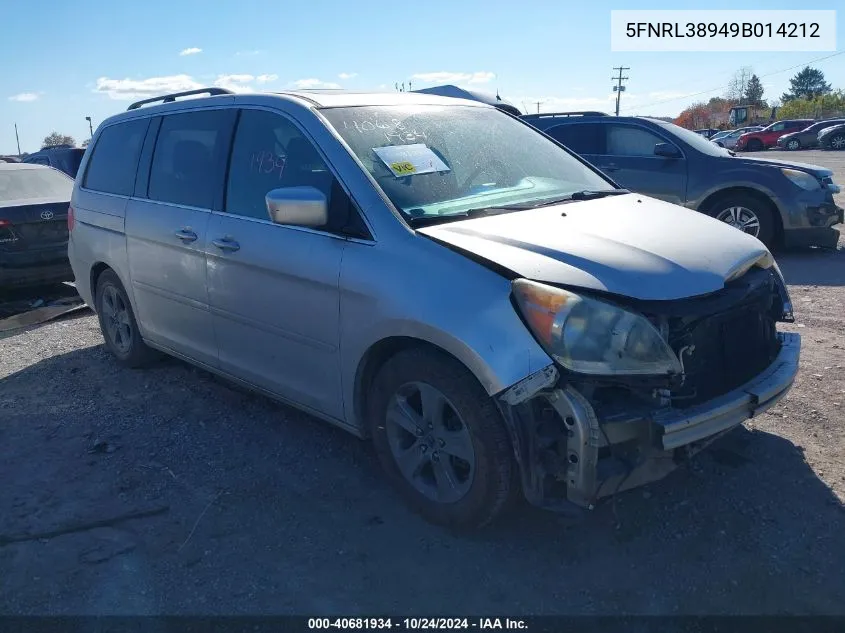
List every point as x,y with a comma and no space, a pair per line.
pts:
832,137
808,137
34,203
65,158
778,202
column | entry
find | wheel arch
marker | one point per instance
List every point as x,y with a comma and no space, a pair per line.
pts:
374,359
761,196
96,270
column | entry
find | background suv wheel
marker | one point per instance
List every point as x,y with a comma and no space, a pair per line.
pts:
748,213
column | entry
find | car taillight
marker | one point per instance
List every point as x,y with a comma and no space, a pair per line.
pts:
5,223
70,219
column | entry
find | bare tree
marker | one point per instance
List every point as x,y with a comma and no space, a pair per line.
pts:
739,84
57,139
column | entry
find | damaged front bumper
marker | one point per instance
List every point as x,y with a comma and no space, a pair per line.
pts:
568,457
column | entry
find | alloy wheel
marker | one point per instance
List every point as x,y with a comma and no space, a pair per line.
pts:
430,443
838,142
116,320
793,144
741,218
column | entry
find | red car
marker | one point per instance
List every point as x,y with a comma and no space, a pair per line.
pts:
768,136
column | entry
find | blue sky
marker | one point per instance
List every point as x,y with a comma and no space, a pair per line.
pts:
65,60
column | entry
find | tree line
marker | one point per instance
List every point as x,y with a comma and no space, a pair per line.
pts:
809,96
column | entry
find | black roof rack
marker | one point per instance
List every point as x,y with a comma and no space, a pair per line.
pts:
564,114
172,97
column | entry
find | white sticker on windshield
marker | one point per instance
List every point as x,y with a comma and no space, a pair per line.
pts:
410,160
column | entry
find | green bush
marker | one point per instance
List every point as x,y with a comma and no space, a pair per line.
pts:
823,107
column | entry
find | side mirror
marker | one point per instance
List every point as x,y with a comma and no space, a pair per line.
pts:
299,206
666,150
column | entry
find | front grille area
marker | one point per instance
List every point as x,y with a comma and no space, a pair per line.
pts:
726,339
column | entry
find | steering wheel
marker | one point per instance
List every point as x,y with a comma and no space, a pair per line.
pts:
493,166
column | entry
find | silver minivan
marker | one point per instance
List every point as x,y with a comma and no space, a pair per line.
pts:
499,317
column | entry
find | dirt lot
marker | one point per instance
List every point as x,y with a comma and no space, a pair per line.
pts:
251,507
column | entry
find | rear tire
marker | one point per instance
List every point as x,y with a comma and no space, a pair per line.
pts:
118,325
441,440
746,212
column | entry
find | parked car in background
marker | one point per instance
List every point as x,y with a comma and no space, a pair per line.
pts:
707,132
832,137
65,158
769,135
9,159
728,139
271,238
807,138
778,202
33,225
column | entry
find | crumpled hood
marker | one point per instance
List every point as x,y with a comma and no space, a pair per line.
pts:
629,245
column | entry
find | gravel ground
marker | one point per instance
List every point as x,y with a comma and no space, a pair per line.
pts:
251,507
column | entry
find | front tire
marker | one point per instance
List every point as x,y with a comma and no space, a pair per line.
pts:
441,440
755,145
838,142
793,144
747,213
118,325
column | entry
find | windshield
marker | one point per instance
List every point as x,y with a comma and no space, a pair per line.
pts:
445,160
20,184
696,141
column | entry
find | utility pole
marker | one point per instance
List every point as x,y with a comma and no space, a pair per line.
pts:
90,126
17,138
538,106
619,88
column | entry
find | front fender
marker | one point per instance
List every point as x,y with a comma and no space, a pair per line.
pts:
457,305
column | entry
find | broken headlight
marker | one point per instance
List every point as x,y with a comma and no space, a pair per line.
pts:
593,337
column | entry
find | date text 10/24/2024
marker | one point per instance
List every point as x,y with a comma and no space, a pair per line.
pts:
418,623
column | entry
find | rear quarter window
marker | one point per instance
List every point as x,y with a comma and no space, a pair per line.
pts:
114,159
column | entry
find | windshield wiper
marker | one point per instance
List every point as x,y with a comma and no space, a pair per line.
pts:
588,194
428,220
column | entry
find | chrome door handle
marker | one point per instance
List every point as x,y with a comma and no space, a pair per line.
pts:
226,244
186,235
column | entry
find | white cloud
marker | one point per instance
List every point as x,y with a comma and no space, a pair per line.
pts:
190,51
149,87
235,83
311,84
24,96
263,79
441,77
347,75
248,53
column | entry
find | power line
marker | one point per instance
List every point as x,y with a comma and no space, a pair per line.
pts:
619,88
704,92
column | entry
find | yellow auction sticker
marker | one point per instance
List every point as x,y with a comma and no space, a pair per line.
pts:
403,168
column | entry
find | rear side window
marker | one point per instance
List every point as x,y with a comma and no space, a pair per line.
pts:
114,160
581,138
187,157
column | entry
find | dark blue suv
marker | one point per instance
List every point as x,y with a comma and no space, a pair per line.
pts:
779,202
